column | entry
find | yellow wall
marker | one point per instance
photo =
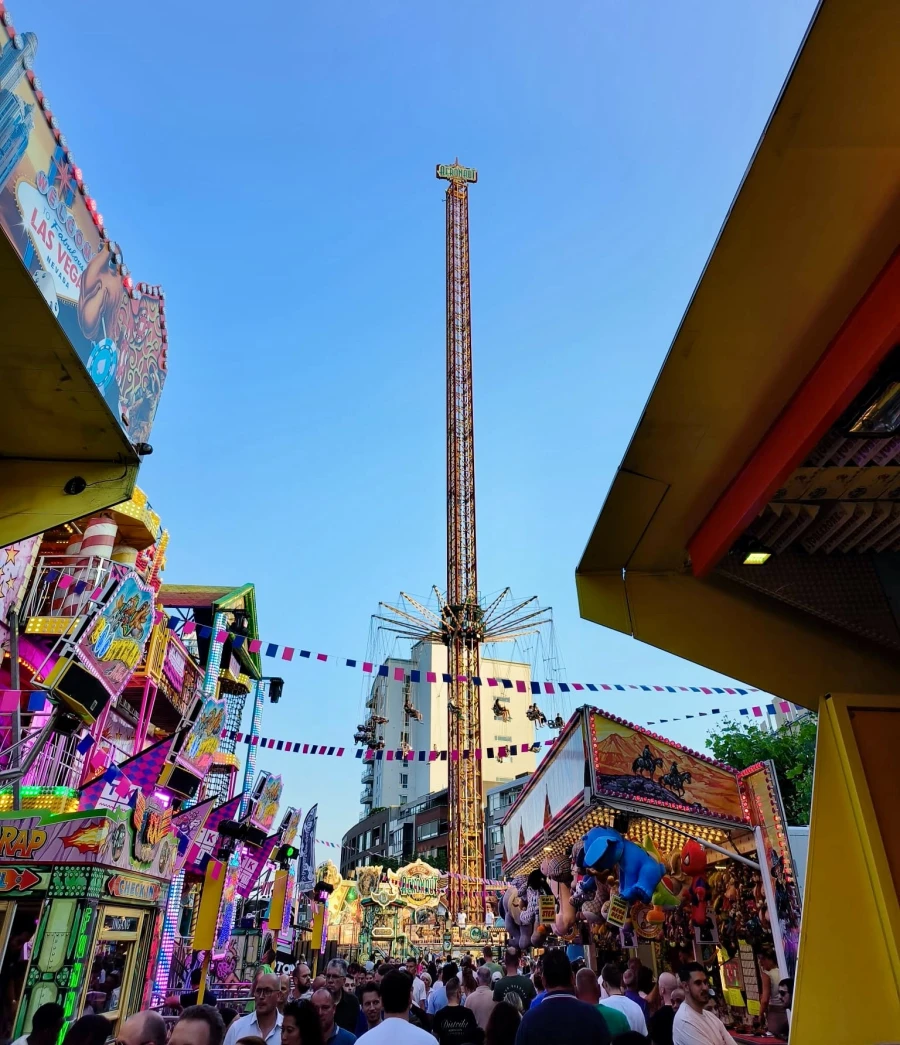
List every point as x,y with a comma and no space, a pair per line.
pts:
848,973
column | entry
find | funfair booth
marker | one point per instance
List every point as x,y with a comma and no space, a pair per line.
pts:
636,846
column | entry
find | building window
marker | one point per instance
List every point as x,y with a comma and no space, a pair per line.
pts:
402,799
404,779
404,737
426,831
496,836
502,738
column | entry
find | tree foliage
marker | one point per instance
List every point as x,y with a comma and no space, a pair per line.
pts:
792,749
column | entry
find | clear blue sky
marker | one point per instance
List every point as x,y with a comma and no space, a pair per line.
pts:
272,166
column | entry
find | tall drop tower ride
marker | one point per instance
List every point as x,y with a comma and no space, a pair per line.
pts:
463,622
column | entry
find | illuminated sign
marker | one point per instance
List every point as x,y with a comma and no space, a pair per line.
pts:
290,825
133,889
113,642
454,172
203,740
225,921
265,809
20,843
152,821
18,879
418,883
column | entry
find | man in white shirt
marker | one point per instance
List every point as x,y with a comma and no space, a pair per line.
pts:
611,982
693,1024
419,993
265,1021
395,1028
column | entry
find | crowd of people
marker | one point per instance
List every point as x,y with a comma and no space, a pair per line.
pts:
550,1002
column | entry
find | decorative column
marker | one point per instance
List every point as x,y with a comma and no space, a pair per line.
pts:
250,764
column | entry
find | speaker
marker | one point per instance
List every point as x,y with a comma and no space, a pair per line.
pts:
78,689
178,780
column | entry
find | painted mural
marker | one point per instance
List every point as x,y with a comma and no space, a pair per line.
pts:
636,765
104,838
203,740
116,327
113,642
265,809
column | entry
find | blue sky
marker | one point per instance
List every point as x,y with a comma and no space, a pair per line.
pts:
272,166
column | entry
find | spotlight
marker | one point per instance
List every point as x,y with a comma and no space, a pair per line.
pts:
143,449
756,558
75,485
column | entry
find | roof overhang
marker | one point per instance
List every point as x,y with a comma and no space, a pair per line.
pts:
815,224
54,422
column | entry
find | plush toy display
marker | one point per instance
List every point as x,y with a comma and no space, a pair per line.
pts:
639,873
693,864
532,931
511,905
667,896
558,873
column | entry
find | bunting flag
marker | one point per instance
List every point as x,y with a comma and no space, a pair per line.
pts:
756,712
493,883
368,754
281,652
140,771
296,747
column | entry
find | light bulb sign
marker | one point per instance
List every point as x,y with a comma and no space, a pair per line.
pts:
455,172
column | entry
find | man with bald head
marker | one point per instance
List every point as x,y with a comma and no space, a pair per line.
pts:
587,989
265,1021
143,1028
332,1034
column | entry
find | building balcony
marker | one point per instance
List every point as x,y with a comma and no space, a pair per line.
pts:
366,796
368,776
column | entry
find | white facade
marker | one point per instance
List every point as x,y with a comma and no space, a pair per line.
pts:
390,783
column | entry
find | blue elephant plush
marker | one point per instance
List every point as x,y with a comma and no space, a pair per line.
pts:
639,872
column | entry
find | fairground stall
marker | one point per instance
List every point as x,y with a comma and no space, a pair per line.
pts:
82,896
752,526
633,845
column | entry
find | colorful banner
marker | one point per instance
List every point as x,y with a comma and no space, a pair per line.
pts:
116,327
117,782
113,642
632,763
207,840
253,860
104,838
306,867
187,826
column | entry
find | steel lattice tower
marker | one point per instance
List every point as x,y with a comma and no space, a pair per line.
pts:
462,613
463,622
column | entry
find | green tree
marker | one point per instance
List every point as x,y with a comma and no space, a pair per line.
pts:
792,749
